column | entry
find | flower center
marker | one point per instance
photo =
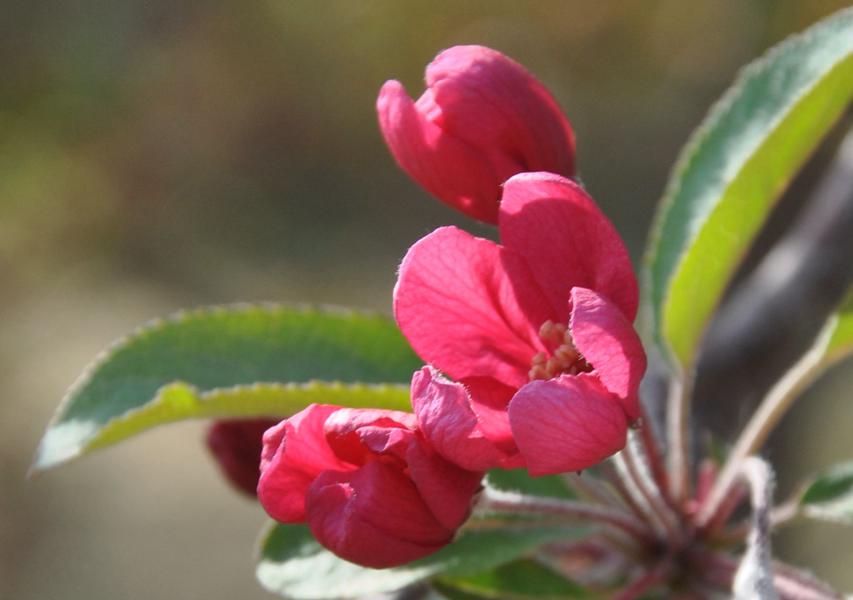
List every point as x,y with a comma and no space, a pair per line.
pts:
561,358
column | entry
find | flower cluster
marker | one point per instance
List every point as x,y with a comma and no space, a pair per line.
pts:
532,359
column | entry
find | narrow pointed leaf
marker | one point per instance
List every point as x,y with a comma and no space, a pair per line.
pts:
207,362
830,496
732,171
293,565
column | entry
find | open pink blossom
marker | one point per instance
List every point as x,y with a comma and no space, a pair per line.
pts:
537,330
482,119
236,446
370,487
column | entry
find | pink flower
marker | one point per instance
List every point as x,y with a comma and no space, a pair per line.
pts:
482,119
236,446
537,330
367,483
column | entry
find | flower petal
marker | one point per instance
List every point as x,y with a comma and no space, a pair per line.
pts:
495,105
566,241
295,452
609,343
373,516
354,434
446,418
446,488
566,424
447,167
489,400
469,307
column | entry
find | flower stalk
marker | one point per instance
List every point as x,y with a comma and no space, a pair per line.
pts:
754,577
771,410
492,500
678,443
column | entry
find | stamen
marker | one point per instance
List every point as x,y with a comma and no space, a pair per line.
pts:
552,332
564,358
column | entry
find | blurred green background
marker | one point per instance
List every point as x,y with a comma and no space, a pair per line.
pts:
158,155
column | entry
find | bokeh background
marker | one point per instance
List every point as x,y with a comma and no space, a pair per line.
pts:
159,155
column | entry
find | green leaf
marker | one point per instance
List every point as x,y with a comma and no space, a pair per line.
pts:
830,496
733,169
206,363
292,564
524,578
179,401
517,480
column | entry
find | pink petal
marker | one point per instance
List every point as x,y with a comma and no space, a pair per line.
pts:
447,167
295,452
609,343
566,424
373,517
492,103
446,418
446,488
489,399
355,434
566,240
470,307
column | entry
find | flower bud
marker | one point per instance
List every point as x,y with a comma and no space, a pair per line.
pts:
482,119
367,483
236,446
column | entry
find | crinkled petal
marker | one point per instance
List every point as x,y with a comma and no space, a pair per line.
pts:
373,516
447,167
446,418
494,104
566,241
295,452
609,343
470,307
566,424
354,434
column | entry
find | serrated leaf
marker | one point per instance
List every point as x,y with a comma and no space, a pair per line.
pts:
830,496
733,169
520,579
292,564
188,366
179,401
